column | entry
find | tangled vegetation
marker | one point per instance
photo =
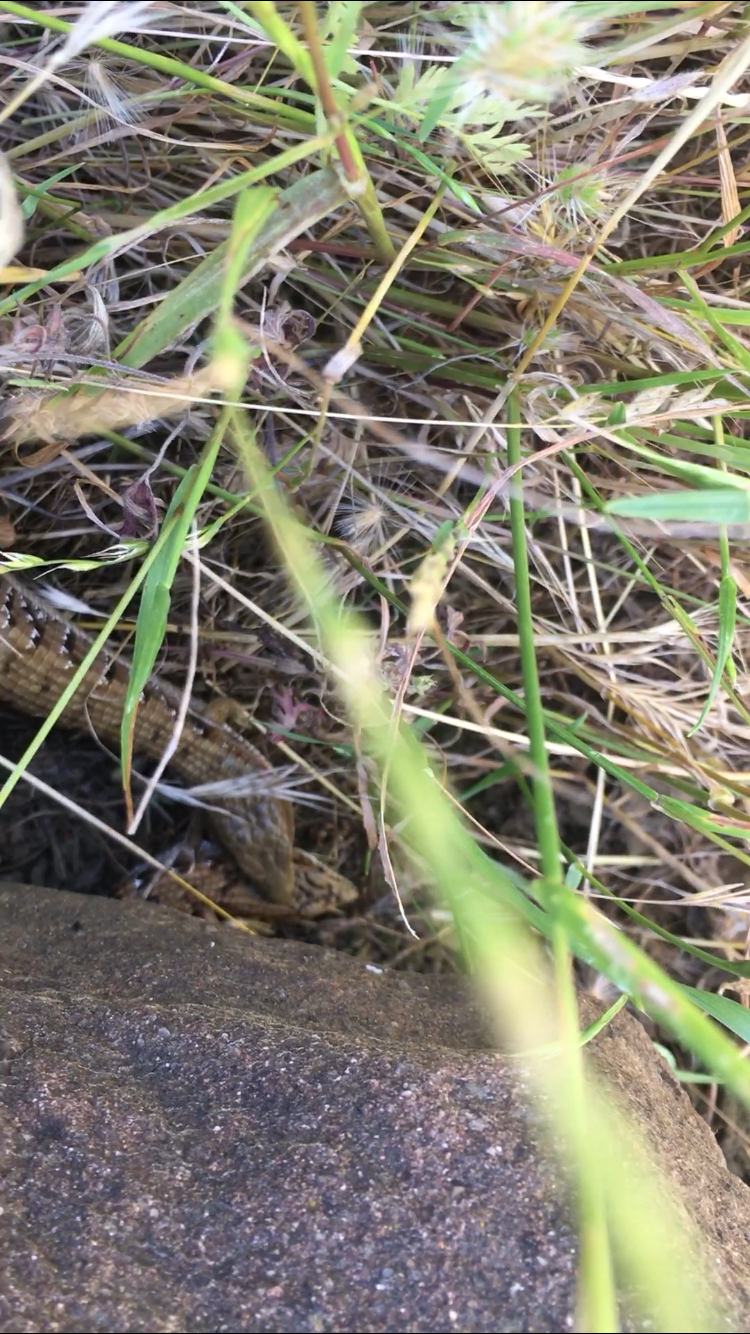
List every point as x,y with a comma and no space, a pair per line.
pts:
437,311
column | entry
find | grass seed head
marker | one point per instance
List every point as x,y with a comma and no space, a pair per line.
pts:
525,51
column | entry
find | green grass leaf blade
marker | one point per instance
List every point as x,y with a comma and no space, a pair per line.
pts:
198,296
197,202
33,194
340,26
727,625
153,613
440,100
718,504
730,1013
279,32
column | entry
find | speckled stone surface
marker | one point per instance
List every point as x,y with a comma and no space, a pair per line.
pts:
207,1132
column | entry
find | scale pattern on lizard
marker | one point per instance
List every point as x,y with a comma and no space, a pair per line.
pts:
39,651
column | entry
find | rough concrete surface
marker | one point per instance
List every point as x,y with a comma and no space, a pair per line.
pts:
208,1132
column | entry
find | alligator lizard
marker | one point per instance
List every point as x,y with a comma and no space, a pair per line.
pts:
40,648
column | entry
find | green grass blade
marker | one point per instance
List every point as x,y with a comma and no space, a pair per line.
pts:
727,625
503,954
197,296
720,505
184,208
279,32
730,1013
173,69
151,624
